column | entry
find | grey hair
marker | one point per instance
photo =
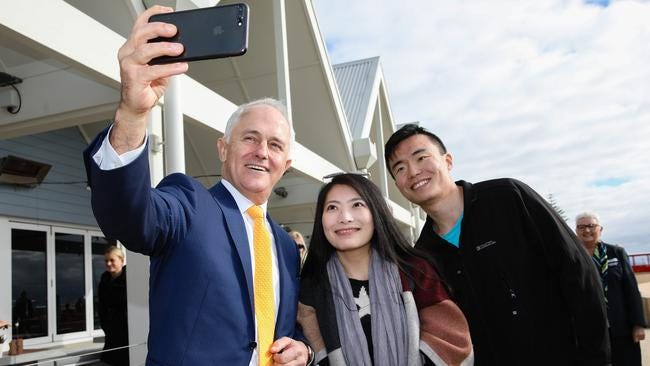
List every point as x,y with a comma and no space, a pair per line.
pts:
244,108
588,215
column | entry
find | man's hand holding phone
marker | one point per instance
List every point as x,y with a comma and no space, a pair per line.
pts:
143,84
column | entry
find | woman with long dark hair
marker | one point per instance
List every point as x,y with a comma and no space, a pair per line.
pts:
367,296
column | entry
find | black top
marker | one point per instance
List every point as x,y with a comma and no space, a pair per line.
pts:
625,309
361,294
113,317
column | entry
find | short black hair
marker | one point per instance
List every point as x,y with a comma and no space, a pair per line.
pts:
406,131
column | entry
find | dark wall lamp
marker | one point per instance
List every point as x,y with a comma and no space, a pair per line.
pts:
281,191
10,98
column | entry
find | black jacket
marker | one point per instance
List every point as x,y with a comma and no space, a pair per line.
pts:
624,307
113,317
528,288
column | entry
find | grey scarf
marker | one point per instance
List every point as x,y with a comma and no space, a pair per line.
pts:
388,318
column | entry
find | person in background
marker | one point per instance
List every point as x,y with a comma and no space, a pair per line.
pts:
527,287
367,297
302,246
113,308
624,306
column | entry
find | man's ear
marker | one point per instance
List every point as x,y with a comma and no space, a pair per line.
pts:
287,165
449,160
222,149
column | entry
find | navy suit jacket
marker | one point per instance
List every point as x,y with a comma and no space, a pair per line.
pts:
201,285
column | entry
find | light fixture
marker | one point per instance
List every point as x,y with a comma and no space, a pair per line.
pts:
10,98
281,191
8,79
22,172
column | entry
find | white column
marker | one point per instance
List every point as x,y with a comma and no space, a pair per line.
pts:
156,146
137,292
174,133
383,173
281,54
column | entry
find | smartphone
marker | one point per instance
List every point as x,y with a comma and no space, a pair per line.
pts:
206,33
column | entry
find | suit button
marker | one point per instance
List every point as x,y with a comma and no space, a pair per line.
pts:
459,272
252,345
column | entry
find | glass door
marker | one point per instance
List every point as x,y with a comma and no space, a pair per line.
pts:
54,276
71,292
29,283
98,246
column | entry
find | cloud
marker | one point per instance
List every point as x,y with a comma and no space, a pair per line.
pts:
555,93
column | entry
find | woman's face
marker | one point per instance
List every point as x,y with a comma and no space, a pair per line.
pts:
347,221
113,262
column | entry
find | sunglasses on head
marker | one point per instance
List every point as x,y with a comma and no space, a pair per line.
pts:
328,178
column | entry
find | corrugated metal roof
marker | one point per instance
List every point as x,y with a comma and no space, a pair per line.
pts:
355,80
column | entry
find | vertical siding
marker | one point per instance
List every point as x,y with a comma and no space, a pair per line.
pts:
67,203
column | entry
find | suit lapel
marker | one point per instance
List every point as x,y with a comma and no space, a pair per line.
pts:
237,230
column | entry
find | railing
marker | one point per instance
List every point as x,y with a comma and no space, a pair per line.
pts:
640,262
73,358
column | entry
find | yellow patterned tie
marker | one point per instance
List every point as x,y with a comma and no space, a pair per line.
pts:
263,285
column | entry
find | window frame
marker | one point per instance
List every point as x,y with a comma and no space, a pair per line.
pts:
51,229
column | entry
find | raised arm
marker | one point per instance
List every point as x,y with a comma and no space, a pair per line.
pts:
142,84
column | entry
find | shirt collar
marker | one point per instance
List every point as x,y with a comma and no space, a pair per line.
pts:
243,203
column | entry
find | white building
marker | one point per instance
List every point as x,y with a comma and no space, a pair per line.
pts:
65,53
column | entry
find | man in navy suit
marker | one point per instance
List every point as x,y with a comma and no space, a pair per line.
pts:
202,307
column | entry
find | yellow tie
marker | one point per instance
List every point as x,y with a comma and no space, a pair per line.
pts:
263,285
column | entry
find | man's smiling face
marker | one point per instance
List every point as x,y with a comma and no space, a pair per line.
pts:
257,154
421,171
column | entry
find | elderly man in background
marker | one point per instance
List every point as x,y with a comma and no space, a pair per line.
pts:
624,309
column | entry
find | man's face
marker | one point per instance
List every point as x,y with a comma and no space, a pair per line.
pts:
421,172
588,231
258,152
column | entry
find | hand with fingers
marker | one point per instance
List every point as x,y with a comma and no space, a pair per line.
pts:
142,84
289,352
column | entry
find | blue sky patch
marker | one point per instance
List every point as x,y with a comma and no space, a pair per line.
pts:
331,45
603,3
609,182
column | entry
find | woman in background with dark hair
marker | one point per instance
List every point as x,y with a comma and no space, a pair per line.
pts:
367,296
113,308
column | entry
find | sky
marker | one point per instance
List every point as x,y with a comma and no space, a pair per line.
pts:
555,93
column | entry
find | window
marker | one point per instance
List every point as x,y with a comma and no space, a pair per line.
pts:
54,278
70,283
98,246
29,283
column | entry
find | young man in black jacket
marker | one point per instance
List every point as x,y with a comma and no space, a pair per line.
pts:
527,287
